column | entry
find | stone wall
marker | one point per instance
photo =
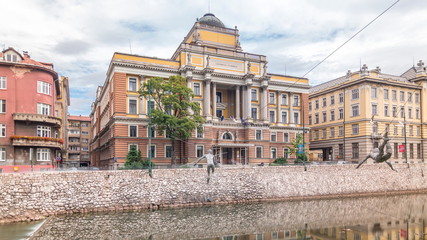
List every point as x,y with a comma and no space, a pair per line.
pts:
34,196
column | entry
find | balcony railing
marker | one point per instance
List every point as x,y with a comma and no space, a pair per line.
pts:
37,141
37,118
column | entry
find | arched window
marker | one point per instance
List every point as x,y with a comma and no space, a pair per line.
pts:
227,136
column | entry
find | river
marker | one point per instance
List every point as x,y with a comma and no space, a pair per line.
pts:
398,217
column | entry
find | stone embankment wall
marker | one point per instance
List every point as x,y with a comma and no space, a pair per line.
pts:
37,195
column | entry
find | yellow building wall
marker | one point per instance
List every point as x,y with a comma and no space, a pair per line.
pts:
217,37
118,56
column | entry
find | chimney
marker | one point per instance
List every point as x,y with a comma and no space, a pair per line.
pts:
26,54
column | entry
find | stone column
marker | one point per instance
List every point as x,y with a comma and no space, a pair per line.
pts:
248,101
237,102
278,102
264,107
291,109
142,110
207,98
214,100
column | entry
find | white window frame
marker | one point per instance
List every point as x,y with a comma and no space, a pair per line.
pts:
271,152
3,82
136,130
136,106
341,98
43,154
297,101
166,146
255,117
273,135
256,151
149,150
3,130
202,133
374,106
353,128
297,117
148,131
44,131
148,104
254,94
256,135
272,96
132,144
352,110
285,119
286,137
43,109
129,84
386,92
44,87
2,154
285,99
2,106
374,92
270,117
203,150
198,92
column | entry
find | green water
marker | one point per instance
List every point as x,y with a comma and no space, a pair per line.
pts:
369,218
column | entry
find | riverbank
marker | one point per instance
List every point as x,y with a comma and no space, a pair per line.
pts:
34,196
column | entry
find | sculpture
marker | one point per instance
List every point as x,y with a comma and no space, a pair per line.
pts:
378,155
210,158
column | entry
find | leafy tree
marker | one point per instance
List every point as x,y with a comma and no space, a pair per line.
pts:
133,159
300,157
174,111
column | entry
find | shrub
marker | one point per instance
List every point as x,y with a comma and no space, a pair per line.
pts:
281,161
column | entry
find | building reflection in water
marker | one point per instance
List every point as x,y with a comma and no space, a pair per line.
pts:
374,218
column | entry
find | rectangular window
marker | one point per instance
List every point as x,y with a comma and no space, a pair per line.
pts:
132,84
417,113
272,117
296,100
152,152
258,134
2,154
324,102
375,128
284,117
323,116
340,151
418,131
402,96
411,151
324,133
168,151
254,113
43,109
386,113
43,154
341,97
272,98
150,106
259,152
285,137
132,106
374,109
373,92
199,150
2,82
385,94
418,150
387,127
2,130
410,97
316,118
85,132
43,87
332,100
133,131
310,120
409,112
403,130
355,110
355,129
309,106
2,106
394,111
316,104
151,132
417,98
273,136
296,117
332,132
411,130
355,94
332,115
395,130
199,133
286,153
402,112
396,150
285,100
43,131
132,146
355,150
341,113
274,153
394,95
316,134
196,87
254,95
340,131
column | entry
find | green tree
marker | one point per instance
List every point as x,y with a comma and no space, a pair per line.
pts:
174,112
300,157
133,159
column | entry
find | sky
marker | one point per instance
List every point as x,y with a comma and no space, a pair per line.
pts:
80,36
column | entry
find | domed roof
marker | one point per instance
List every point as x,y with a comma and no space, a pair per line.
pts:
211,20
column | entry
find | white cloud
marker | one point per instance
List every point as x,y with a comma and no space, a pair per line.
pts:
80,36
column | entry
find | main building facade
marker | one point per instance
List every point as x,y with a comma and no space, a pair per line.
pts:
251,115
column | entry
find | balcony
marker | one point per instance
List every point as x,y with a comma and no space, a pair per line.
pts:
28,117
37,141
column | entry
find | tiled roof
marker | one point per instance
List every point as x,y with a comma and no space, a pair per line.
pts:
328,84
79,118
410,73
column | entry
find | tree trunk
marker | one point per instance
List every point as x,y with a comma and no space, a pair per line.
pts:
173,152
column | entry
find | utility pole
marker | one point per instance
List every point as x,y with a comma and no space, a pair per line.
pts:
150,166
404,128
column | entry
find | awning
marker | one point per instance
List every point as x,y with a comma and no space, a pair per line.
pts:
234,145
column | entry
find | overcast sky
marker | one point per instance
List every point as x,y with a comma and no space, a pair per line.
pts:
80,36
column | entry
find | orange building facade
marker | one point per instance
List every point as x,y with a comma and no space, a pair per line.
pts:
252,116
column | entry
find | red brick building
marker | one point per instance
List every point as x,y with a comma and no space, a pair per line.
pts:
252,116
33,102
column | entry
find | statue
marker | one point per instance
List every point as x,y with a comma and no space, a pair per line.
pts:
210,158
378,155
249,67
188,58
207,61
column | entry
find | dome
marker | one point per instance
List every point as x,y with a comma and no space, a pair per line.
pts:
211,20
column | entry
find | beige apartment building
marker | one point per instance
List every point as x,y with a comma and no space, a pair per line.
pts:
251,115
349,115
79,134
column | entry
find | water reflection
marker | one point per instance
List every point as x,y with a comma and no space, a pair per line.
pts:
374,218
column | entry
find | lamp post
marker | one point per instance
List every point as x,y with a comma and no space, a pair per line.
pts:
150,167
